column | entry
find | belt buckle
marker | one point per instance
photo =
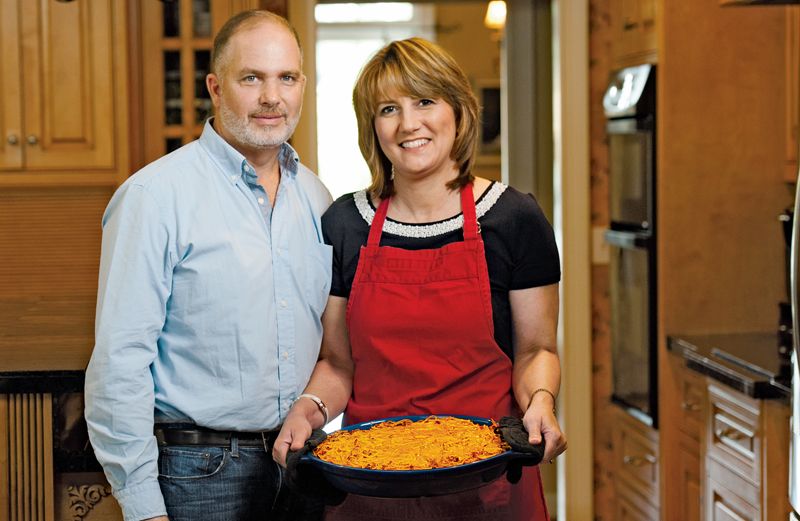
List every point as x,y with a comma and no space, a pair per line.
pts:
264,441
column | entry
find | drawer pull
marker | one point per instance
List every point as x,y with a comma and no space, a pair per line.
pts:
690,406
638,461
731,434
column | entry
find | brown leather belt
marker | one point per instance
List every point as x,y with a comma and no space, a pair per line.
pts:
193,435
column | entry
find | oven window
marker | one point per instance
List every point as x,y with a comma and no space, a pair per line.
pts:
630,175
630,327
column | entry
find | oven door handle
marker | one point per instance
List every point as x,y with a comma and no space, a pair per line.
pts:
631,125
628,240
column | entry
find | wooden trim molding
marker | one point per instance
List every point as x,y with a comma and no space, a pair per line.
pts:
83,498
572,222
26,427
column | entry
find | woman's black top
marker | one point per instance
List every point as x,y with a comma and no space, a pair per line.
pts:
519,242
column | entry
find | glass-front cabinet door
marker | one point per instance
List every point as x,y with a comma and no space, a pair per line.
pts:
176,41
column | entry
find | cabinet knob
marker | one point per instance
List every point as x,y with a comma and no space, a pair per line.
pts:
12,139
731,434
690,406
638,461
32,140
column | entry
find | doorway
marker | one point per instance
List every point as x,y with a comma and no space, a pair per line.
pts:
348,34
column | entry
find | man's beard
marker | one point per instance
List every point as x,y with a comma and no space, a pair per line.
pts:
249,135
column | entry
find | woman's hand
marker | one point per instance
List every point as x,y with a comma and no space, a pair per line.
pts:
540,421
537,371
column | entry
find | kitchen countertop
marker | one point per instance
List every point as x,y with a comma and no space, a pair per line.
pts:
747,362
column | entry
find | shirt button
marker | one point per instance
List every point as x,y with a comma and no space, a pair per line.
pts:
285,355
283,303
260,200
233,177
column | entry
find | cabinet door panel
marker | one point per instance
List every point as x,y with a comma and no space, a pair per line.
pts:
68,84
649,36
792,90
688,473
634,36
10,116
636,454
692,402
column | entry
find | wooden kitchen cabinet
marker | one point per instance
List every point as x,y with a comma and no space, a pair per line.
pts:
634,32
689,480
725,456
635,467
746,456
62,74
633,508
176,42
729,497
683,435
792,84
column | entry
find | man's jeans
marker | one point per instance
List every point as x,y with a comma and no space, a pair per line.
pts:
227,484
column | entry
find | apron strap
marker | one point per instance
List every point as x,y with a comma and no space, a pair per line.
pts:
377,223
471,228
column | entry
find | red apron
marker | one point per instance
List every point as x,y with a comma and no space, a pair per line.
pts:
422,340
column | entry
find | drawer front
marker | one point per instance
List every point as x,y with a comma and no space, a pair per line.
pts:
734,438
636,458
727,506
692,403
729,497
631,508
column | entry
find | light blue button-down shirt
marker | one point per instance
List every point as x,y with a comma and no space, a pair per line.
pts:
208,307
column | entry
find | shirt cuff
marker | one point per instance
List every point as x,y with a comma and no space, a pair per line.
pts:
141,502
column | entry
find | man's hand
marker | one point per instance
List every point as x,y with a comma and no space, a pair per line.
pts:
159,518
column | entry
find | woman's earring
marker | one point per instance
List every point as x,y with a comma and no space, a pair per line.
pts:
391,177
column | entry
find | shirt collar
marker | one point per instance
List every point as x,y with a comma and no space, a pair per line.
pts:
233,163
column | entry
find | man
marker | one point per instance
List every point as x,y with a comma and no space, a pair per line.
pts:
213,279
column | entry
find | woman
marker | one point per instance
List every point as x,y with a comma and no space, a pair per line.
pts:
445,286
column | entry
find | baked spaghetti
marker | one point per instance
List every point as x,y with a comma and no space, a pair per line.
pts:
431,443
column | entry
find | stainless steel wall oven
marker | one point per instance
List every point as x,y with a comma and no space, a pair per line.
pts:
629,105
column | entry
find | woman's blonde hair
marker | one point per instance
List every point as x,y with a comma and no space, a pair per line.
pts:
419,69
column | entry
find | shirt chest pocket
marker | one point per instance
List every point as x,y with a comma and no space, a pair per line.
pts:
318,261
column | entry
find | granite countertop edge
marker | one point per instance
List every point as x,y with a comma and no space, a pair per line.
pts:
713,361
48,381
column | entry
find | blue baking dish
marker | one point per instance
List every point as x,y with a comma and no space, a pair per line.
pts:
414,483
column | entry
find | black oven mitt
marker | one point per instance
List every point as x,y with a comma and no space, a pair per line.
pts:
306,479
513,432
